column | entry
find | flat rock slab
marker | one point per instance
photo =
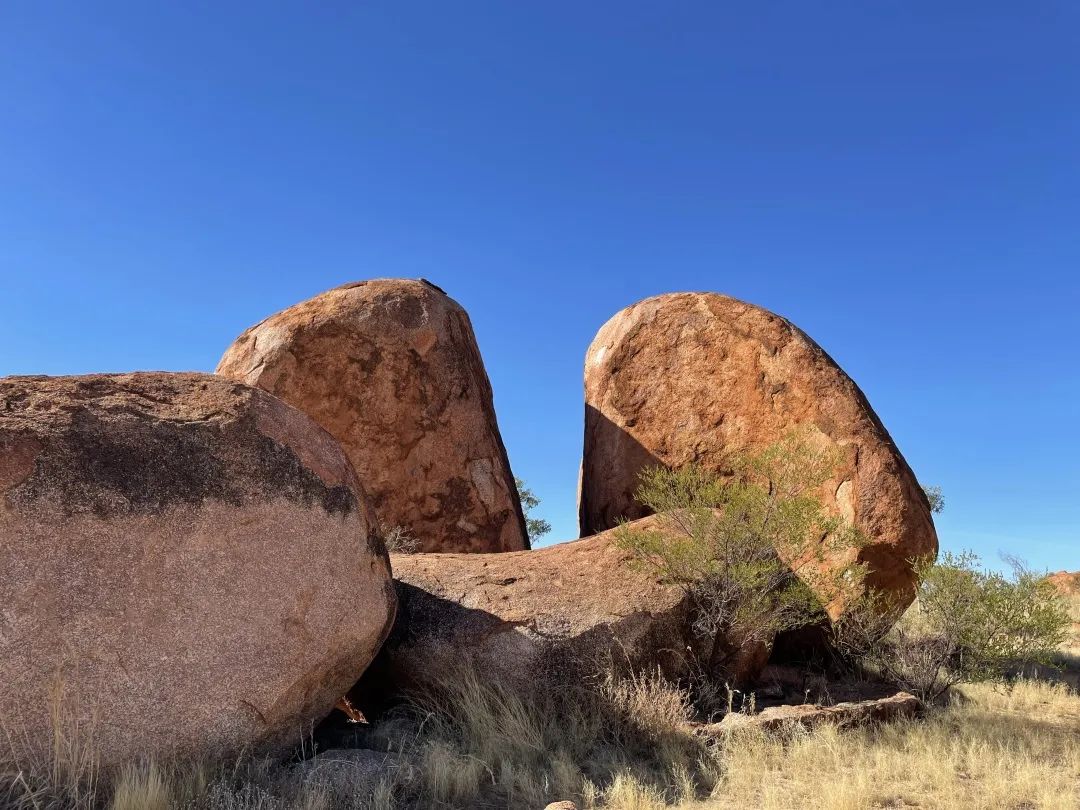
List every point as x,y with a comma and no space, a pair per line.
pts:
808,716
521,615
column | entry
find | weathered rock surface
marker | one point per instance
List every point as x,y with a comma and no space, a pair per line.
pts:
188,560
809,716
518,616
698,377
391,369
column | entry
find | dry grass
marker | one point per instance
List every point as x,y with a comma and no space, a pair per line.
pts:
65,776
1002,747
624,745
466,743
474,744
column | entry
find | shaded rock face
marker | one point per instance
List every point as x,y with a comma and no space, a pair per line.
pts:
697,377
187,566
563,610
391,369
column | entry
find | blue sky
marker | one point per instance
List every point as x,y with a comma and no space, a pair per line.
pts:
901,179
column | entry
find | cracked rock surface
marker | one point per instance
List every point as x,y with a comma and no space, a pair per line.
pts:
187,567
697,377
391,369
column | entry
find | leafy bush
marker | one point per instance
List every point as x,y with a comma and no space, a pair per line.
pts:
966,625
750,549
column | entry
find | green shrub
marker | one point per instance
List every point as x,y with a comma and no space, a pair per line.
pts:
967,625
751,549
535,527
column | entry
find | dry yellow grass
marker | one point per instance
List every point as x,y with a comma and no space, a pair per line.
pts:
1001,747
995,748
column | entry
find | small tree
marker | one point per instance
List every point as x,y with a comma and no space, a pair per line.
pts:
534,527
966,625
749,550
936,499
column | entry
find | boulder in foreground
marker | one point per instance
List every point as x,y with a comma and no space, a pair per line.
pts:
187,567
391,369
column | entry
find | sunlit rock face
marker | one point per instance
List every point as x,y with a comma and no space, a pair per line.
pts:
391,369
699,377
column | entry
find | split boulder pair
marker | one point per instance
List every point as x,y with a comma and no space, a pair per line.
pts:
191,564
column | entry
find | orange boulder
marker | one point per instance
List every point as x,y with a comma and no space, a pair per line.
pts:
391,369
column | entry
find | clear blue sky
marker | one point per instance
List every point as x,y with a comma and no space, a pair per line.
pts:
901,179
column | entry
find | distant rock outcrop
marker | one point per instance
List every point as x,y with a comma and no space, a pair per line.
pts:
697,377
1067,582
391,369
1068,585
187,567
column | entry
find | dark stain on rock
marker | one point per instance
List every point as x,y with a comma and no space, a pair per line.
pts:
409,312
368,363
433,286
125,461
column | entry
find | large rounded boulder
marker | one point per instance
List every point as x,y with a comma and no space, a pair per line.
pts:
391,369
187,567
700,377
